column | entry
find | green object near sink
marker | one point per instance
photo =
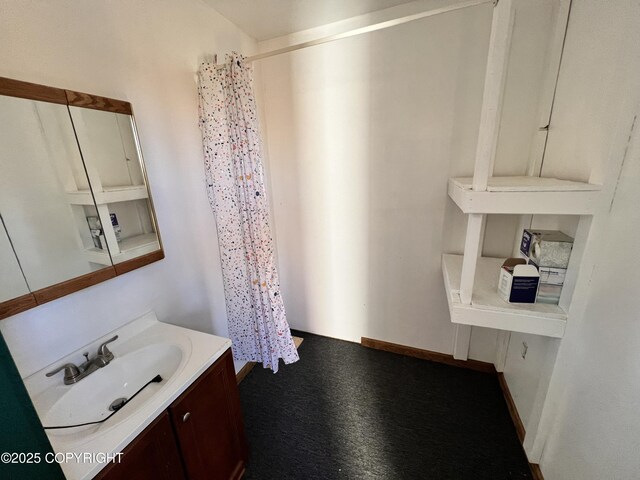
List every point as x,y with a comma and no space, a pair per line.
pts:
20,427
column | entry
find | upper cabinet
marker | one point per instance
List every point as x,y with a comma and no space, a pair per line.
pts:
37,148
74,198
113,162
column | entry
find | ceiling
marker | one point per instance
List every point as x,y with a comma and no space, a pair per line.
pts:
266,19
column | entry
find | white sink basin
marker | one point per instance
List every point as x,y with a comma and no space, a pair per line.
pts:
144,348
90,398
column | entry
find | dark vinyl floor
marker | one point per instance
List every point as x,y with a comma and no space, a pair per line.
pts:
348,412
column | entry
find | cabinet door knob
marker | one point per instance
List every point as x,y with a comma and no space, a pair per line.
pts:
186,416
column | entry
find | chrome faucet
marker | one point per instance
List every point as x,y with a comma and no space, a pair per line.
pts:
73,374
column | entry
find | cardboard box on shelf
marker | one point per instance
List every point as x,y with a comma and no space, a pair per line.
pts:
546,248
551,281
550,251
518,282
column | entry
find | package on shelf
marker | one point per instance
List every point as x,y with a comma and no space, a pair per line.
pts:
117,229
546,248
551,281
549,250
518,282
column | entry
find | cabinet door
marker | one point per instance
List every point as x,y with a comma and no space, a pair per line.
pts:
153,455
208,425
113,161
41,174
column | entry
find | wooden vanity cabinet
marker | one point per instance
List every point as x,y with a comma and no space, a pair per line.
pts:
152,454
208,425
203,428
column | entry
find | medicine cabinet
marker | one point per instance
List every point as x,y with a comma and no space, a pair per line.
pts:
75,206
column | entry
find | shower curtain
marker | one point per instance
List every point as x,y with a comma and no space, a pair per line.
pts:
235,186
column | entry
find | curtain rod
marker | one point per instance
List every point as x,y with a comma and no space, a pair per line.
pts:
371,28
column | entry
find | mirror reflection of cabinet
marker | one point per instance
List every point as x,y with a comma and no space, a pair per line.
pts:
74,200
113,163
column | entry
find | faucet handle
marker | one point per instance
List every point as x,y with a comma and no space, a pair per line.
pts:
104,351
70,372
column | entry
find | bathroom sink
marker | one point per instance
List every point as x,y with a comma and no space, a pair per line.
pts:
145,348
89,400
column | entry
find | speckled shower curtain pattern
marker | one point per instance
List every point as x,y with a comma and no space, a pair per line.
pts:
235,185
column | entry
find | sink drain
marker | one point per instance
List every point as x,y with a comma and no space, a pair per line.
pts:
117,404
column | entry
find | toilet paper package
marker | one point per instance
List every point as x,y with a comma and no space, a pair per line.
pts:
546,248
551,281
549,251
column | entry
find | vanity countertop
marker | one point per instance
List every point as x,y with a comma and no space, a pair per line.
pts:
199,351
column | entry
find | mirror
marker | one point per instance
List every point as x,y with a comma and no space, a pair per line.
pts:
12,282
113,163
39,157
74,200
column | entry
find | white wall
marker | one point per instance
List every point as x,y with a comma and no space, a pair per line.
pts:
145,52
595,426
363,134
592,404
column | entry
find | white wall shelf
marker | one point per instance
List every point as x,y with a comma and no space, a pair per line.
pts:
109,195
487,309
136,246
97,255
526,195
471,280
110,185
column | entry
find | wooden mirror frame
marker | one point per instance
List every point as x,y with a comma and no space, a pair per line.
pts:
43,93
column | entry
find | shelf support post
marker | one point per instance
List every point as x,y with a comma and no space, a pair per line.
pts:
495,78
472,250
461,342
502,348
107,229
